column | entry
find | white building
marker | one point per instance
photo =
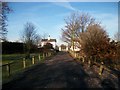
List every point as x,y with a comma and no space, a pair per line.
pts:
49,40
63,47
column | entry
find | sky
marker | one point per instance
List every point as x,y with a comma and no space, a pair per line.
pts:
48,17
61,0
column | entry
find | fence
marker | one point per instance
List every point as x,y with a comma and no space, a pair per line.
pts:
16,66
101,65
75,54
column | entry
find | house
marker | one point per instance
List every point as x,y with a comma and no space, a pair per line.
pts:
49,40
63,47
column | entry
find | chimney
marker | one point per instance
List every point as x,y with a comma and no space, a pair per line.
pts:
49,37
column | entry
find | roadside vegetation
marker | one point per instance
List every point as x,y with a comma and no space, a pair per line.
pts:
83,31
14,62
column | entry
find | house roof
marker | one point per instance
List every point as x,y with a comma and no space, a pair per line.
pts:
51,40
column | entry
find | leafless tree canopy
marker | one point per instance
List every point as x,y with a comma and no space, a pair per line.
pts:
29,35
4,11
75,24
90,36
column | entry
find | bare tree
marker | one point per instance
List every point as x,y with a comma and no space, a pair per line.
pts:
38,40
30,36
72,24
4,11
76,23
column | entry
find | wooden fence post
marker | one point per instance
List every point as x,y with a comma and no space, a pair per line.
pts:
101,69
75,54
79,57
83,59
8,69
43,55
24,64
50,53
33,60
89,62
39,57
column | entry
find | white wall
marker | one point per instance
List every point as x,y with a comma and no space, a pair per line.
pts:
63,49
53,43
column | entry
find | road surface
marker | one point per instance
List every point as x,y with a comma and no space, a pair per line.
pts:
62,71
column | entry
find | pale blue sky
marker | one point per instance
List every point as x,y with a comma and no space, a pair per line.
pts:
61,0
48,17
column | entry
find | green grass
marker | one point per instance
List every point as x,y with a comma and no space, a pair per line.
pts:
17,65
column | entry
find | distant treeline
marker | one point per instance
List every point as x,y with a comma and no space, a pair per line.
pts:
12,47
16,47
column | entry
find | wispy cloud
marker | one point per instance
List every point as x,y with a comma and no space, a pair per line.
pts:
65,4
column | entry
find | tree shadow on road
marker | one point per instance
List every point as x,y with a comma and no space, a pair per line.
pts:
107,84
76,80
